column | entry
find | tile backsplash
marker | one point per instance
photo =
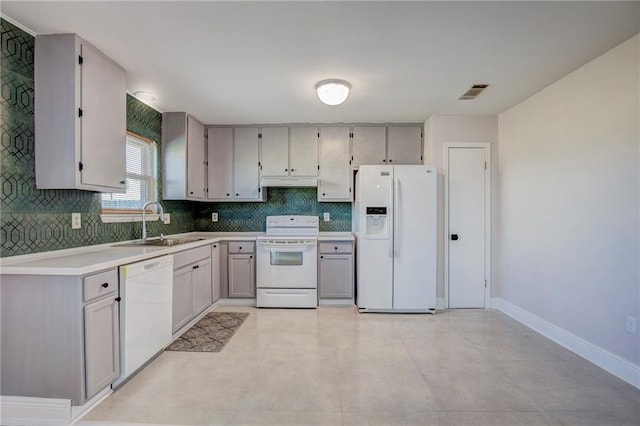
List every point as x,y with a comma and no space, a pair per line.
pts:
34,220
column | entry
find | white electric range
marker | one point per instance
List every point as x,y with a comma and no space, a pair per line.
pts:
287,263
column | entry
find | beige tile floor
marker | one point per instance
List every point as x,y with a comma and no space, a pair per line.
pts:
333,366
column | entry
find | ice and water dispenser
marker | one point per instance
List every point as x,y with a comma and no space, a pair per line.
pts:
377,223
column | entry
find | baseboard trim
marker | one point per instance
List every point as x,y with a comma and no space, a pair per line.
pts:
236,302
336,302
22,410
604,359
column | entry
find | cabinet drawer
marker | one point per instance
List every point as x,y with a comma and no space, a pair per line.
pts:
241,247
187,257
100,284
336,247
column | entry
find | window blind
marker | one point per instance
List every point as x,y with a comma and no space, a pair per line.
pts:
141,182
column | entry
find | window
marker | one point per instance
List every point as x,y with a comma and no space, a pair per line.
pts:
142,182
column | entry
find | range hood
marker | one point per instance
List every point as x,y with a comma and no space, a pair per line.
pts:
289,181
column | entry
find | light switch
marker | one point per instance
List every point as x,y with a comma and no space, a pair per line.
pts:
76,221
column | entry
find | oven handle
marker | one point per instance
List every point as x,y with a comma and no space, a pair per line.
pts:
266,244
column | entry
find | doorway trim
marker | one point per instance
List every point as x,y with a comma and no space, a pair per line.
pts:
487,212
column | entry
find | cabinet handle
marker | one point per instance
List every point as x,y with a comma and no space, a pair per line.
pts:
191,193
237,195
335,248
286,170
390,160
384,161
323,194
122,182
105,285
293,170
227,195
195,266
214,246
321,257
250,257
118,299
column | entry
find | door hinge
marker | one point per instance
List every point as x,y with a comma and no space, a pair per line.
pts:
485,283
79,112
421,158
349,190
318,134
485,165
259,190
80,166
318,166
259,135
80,60
351,135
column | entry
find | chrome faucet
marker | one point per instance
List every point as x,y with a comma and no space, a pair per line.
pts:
144,217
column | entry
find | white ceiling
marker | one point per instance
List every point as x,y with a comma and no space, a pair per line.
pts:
257,62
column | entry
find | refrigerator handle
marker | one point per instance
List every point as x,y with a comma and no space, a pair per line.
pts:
396,215
391,197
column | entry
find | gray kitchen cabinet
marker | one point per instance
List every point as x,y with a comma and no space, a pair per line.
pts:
80,116
183,157
303,151
274,150
60,335
334,182
220,159
404,145
102,345
335,269
369,145
182,298
241,269
192,289
234,164
215,272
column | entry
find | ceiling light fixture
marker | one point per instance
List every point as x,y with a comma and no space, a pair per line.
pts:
145,96
332,91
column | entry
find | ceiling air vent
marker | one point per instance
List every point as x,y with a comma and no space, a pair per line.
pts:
473,92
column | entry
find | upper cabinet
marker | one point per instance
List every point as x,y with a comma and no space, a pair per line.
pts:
386,145
183,157
334,182
234,164
289,156
404,145
80,116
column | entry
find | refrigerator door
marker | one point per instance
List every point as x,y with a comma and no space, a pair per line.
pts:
414,274
375,245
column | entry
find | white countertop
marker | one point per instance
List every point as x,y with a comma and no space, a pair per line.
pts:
89,259
335,236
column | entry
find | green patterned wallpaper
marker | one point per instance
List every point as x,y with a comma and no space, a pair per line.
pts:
34,220
280,201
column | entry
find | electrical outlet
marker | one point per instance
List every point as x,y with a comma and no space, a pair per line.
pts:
632,325
76,220
167,218
214,217
326,217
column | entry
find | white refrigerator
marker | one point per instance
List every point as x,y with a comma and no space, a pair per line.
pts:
395,223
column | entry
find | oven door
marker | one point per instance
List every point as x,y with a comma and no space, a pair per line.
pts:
282,263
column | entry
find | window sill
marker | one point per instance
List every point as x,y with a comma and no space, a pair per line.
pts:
127,217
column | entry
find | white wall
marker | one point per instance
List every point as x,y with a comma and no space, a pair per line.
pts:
569,208
440,129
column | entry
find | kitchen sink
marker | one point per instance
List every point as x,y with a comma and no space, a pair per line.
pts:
162,242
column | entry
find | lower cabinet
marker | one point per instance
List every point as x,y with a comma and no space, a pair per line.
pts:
335,270
60,335
192,288
242,269
102,344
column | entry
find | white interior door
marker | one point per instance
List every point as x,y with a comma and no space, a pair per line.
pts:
466,227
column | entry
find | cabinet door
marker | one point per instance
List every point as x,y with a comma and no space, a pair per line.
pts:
335,173
369,145
202,291
182,297
102,350
220,158
215,272
103,122
404,145
336,276
275,151
195,159
242,275
246,173
303,151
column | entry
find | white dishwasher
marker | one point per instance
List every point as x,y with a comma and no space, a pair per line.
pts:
146,289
